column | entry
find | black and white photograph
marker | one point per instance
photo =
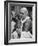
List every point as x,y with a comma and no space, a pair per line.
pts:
20,22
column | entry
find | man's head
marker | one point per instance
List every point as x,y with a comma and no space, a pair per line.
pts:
24,12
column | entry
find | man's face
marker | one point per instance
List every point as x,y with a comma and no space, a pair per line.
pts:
21,13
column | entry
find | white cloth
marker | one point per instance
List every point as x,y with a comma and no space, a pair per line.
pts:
26,34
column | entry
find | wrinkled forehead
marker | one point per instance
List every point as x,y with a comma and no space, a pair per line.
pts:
22,11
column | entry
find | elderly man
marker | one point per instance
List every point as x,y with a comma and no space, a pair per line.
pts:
26,23
22,30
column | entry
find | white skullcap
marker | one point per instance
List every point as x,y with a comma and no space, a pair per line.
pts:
24,9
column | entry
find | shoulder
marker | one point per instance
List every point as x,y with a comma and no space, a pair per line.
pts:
28,20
